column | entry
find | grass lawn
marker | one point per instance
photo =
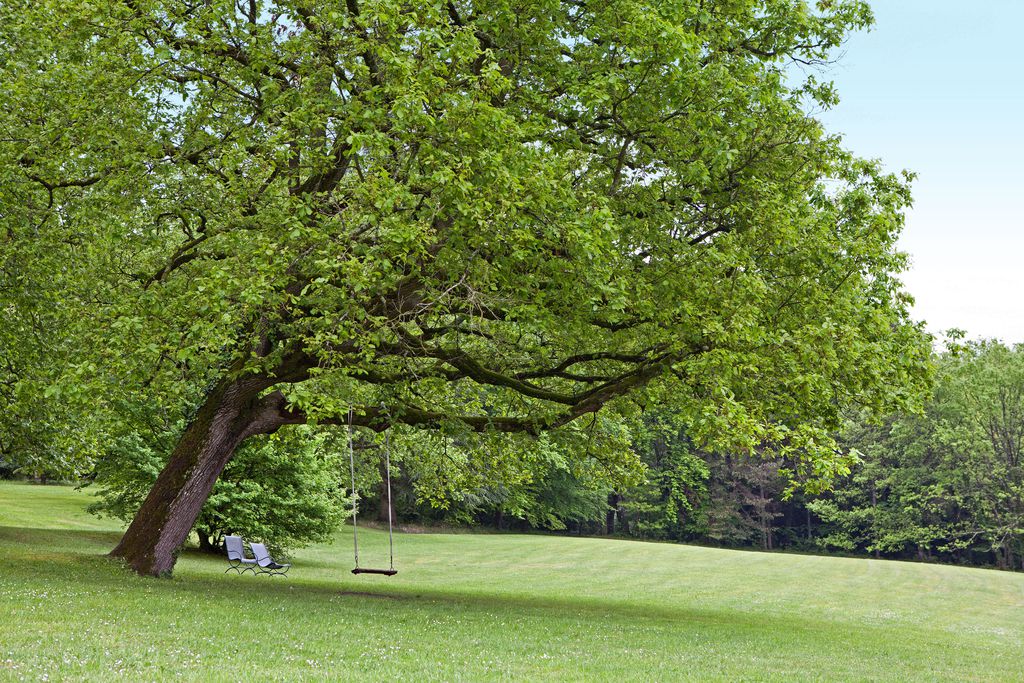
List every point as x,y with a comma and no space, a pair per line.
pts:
482,607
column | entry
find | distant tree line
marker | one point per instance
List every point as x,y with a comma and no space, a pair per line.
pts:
946,485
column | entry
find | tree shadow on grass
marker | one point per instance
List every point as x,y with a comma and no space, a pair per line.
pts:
56,539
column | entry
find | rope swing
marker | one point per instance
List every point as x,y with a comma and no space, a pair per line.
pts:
390,571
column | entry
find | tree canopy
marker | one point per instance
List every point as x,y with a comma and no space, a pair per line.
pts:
471,215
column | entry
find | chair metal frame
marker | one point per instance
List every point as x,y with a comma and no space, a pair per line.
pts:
266,563
235,547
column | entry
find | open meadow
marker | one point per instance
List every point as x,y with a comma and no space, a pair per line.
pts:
484,607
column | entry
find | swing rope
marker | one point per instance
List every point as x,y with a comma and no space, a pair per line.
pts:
390,571
355,496
387,470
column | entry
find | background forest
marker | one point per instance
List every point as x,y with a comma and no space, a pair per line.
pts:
944,485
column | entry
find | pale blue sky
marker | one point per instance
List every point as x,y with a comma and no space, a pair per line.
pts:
937,87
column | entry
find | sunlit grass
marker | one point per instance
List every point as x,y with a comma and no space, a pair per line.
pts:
472,607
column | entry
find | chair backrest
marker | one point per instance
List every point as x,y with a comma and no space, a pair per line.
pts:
233,544
261,554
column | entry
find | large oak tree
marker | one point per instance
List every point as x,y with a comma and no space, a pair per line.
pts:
494,214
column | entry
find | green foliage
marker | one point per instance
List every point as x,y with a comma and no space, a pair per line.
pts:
670,503
474,213
558,478
560,498
743,498
949,481
285,490
64,129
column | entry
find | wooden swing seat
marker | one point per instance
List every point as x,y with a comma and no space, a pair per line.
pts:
385,572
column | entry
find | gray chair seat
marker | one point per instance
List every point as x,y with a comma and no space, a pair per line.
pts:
237,558
266,563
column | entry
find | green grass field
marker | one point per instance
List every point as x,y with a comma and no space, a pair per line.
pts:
485,607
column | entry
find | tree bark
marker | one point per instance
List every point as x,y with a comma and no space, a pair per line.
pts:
230,414
206,543
610,517
384,496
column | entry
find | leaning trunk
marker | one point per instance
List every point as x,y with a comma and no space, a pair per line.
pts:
161,526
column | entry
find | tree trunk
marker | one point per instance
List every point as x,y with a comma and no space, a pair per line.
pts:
230,414
206,543
385,504
762,504
614,499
